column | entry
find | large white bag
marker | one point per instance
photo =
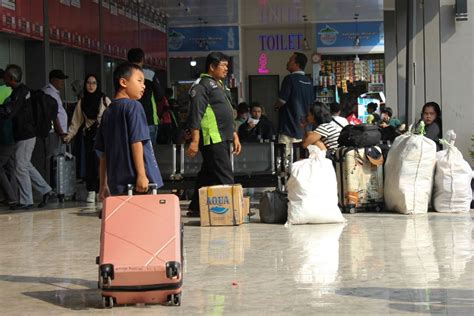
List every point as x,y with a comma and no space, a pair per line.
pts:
452,185
312,190
409,173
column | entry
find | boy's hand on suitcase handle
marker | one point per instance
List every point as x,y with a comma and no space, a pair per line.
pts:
152,187
142,184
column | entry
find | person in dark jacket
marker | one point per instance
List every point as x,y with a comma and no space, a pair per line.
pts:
257,127
21,112
431,116
153,99
212,127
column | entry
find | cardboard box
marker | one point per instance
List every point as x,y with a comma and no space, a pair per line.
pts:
221,205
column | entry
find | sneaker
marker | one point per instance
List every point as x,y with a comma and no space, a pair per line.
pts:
46,199
90,197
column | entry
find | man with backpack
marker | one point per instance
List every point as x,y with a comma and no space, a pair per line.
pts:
153,94
19,109
56,84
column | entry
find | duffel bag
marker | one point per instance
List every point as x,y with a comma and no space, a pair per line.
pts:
359,136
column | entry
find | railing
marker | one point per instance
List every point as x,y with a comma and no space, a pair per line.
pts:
257,165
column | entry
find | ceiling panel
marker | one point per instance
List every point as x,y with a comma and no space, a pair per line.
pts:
267,12
188,12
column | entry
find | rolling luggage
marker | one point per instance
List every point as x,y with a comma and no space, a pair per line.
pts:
63,168
141,252
360,178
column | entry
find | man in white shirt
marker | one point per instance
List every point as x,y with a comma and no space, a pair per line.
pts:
339,122
56,84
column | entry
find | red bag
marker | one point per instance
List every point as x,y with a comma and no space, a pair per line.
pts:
353,119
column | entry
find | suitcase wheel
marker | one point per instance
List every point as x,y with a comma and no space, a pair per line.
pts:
107,301
378,208
106,274
351,210
174,299
104,282
173,270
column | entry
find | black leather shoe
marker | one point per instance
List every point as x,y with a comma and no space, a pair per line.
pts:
21,206
46,198
192,214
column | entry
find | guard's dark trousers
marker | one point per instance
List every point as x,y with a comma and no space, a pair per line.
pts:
216,169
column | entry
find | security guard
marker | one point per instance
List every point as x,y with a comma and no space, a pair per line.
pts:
211,123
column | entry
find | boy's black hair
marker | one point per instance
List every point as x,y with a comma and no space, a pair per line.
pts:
335,107
242,108
387,110
125,71
136,55
214,59
372,106
15,72
169,93
301,59
256,104
320,113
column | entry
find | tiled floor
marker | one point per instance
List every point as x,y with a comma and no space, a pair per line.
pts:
375,264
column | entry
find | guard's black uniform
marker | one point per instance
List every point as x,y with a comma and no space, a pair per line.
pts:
211,112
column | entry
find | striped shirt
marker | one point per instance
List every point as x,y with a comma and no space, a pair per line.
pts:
329,135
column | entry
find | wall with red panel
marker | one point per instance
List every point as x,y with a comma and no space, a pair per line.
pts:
75,23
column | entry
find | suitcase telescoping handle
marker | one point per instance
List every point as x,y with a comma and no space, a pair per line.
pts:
153,187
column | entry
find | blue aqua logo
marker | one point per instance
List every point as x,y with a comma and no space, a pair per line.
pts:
219,210
216,203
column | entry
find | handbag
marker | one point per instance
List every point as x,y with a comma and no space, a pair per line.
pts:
91,131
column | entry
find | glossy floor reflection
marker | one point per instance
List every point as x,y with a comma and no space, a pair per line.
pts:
375,264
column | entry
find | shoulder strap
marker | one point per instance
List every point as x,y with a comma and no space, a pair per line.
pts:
337,122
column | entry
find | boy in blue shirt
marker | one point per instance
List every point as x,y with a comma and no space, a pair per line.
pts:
123,138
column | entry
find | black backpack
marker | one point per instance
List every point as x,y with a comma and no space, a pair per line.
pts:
45,110
359,136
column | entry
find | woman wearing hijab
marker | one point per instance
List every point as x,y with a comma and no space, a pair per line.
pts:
88,113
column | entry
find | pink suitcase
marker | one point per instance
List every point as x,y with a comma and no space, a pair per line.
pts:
141,250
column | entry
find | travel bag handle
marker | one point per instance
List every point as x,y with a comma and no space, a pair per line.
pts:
151,186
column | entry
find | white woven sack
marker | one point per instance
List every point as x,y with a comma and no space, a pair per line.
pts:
409,173
452,185
312,191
